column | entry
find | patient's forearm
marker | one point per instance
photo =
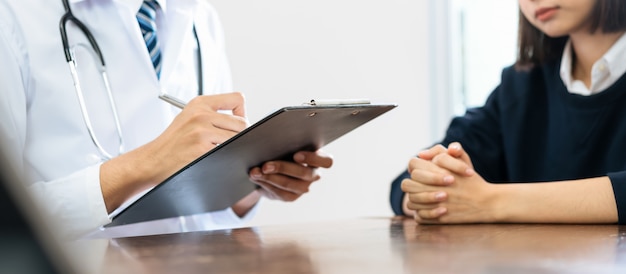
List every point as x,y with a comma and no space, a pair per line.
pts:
577,201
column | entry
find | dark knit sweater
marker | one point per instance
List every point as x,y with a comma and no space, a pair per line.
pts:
532,129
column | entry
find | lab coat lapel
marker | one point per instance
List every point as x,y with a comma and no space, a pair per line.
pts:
133,33
179,19
210,53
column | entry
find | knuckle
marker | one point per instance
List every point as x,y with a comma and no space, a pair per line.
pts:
310,175
413,162
415,174
439,148
406,184
417,219
199,141
305,189
316,177
240,96
277,166
289,197
196,100
439,159
413,199
411,206
417,198
423,214
436,159
199,116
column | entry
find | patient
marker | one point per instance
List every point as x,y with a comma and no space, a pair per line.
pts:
548,145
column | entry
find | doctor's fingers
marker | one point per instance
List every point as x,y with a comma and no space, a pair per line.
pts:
313,159
290,169
274,193
210,120
234,101
279,186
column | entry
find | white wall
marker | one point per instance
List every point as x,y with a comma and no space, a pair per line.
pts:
286,52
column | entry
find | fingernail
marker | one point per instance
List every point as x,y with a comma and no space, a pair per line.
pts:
455,146
440,210
469,172
448,179
255,174
440,195
299,157
268,168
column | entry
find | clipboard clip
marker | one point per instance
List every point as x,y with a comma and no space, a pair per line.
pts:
314,102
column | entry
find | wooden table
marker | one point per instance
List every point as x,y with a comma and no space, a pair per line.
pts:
375,245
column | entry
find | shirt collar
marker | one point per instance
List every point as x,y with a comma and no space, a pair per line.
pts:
566,65
610,66
134,4
616,57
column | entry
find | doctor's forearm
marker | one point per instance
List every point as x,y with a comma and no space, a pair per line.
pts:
129,174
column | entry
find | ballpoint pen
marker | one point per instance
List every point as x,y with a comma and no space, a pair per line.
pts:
172,100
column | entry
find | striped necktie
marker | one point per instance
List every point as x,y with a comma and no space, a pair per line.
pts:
147,23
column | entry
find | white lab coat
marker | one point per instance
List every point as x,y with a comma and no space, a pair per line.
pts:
41,120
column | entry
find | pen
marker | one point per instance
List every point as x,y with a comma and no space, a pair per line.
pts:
172,100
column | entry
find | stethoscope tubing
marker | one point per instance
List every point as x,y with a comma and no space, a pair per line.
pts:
71,61
69,57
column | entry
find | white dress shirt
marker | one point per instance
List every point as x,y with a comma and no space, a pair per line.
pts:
604,72
42,125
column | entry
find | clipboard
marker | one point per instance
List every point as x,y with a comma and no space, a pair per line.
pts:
219,178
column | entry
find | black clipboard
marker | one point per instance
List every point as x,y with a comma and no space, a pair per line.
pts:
219,178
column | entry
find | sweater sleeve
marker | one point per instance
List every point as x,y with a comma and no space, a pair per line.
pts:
397,195
618,182
479,132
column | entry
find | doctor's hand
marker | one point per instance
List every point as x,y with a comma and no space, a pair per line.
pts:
287,181
197,129
445,189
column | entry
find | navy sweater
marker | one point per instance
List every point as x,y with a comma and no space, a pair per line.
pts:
532,129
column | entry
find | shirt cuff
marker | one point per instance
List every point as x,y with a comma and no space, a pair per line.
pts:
75,201
228,216
618,182
223,219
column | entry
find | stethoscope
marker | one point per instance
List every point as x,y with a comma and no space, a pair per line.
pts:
71,61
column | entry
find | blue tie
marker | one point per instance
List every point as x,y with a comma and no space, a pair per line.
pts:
147,23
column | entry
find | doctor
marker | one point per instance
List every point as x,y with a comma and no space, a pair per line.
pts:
86,159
